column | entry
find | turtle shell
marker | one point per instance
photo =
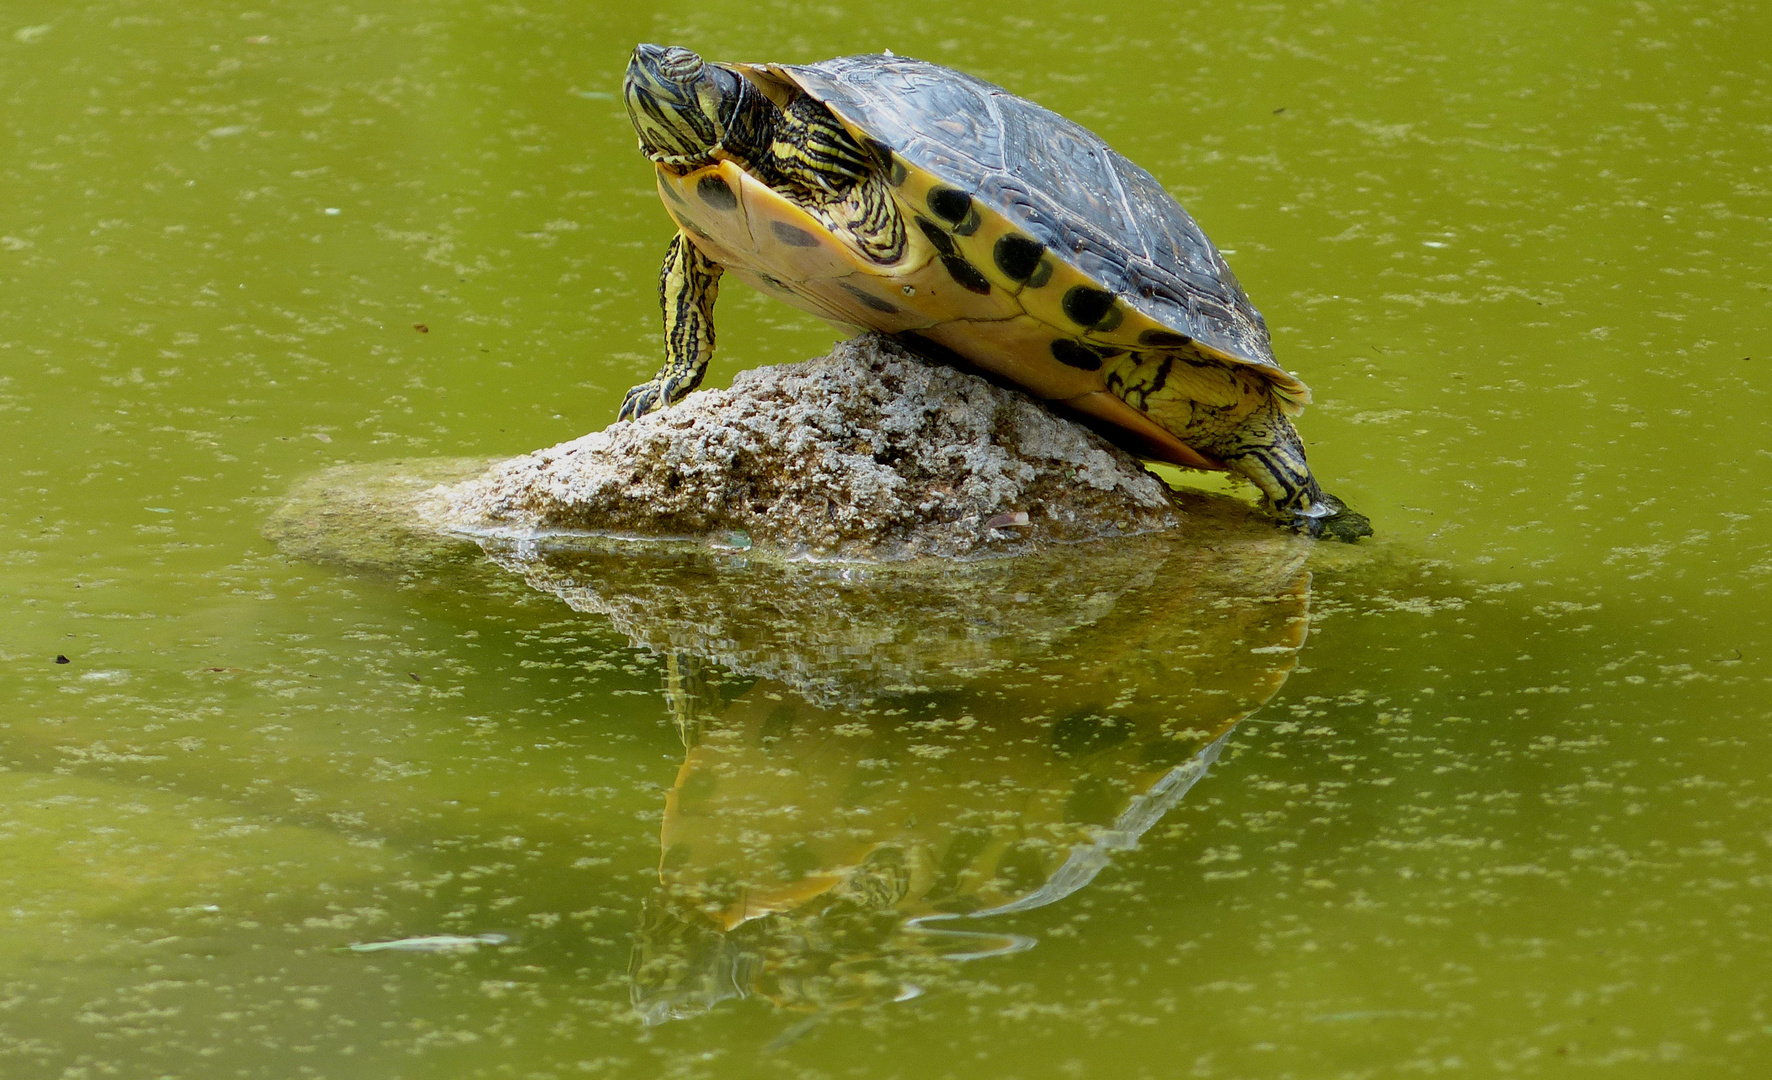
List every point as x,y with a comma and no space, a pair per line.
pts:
1067,189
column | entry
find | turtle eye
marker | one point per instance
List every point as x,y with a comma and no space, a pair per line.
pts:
679,64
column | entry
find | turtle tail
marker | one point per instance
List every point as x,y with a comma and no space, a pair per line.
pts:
1266,449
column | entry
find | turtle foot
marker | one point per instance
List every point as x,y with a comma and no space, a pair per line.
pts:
1331,519
642,399
666,389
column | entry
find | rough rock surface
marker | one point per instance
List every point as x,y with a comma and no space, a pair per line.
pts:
868,452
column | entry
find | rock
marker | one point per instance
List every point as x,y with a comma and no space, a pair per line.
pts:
867,453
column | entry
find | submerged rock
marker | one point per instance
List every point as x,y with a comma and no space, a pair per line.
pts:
869,453
366,516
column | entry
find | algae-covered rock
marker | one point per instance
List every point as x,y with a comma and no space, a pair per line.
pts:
868,452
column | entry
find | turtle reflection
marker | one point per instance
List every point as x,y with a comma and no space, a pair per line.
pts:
823,848
805,847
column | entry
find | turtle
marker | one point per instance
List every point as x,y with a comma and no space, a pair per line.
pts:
977,229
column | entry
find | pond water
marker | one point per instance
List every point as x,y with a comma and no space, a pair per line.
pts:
1504,811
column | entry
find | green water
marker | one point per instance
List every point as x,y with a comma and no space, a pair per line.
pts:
1509,815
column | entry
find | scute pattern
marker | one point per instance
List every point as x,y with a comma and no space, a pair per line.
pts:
1088,204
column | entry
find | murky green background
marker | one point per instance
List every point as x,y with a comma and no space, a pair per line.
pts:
1511,816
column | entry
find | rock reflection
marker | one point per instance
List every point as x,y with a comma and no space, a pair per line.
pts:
918,749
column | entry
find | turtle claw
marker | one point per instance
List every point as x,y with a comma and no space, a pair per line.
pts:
1330,519
666,389
642,399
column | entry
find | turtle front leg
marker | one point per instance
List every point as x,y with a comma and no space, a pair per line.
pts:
1266,449
688,284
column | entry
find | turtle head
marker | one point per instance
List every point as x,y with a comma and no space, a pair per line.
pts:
682,106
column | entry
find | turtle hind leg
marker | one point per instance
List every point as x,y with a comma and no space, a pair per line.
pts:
688,284
1337,521
1266,448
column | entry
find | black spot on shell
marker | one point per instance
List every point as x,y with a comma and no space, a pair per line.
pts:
942,241
966,274
715,192
868,298
1074,354
1164,339
1041,275
1087,306
950,204
792,236
1018,256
